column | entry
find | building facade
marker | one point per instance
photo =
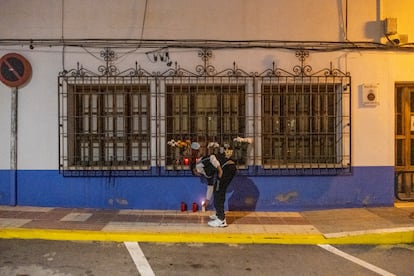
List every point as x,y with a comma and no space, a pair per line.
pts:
314,98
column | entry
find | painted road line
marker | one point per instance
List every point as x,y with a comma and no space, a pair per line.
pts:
370,231
214,237
139,259
406,204
355,260
165,237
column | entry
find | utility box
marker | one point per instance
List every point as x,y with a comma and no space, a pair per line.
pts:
390,26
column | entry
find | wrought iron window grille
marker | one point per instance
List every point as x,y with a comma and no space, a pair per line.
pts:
296,148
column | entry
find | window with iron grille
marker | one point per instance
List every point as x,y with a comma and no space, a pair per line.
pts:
204,113
304,123
110,125
278,122
106,125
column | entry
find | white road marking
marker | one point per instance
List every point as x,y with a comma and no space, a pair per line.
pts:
374,231
139,259
353,259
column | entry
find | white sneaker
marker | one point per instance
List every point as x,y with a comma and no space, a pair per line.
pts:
217,223
213,217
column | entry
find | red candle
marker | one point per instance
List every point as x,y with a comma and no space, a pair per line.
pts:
195,207
183,206
186,161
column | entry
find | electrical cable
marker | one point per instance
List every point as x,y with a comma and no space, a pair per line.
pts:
142,31
63,36
321,46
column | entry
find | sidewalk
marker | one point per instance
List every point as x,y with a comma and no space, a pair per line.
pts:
385,225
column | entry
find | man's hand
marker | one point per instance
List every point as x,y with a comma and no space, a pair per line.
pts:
219,172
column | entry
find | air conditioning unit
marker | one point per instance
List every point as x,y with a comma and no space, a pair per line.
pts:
370,94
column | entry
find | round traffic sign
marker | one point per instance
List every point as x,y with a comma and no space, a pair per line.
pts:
15,70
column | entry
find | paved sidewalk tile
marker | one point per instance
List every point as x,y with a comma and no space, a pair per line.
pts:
358,225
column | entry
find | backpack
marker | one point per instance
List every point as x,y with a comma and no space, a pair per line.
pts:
208,167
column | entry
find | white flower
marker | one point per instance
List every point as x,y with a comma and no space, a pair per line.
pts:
213,145
179,143
242,140
172,143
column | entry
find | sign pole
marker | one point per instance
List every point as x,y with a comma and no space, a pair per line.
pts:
13,148
15,71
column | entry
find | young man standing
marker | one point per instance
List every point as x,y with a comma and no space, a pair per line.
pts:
219,172
207,167
229,169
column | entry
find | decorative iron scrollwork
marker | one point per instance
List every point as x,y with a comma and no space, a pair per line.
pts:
302,55
202,70
78,72
302,70
108,70
109,57
205,69
205,54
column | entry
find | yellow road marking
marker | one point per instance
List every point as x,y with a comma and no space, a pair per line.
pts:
181,237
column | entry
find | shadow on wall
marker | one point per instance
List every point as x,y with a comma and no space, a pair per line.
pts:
244,194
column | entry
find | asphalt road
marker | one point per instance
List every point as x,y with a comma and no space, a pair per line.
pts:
44,258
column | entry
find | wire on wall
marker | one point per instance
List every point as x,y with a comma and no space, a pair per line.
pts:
63,34
322,46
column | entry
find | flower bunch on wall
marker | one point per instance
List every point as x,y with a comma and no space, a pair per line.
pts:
180,151
213,148
181,144
240,146
240,142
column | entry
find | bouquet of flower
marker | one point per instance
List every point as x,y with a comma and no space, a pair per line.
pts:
179,143
213,145
179,147
213,148
226,145
240,142
240,145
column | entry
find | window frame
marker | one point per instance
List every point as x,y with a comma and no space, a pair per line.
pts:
108,115
307,113
194,93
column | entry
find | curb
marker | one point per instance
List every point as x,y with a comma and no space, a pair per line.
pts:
369,237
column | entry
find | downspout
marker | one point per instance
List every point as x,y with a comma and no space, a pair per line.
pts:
346,20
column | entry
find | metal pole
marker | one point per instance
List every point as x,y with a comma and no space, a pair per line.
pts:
13,148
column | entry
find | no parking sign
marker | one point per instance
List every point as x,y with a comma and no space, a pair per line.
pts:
15,70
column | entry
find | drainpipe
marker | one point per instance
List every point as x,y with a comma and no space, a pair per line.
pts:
13,148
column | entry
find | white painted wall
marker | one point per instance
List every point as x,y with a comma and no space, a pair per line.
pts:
198,19
177,19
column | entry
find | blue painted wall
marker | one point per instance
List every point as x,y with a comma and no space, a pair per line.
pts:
367,186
